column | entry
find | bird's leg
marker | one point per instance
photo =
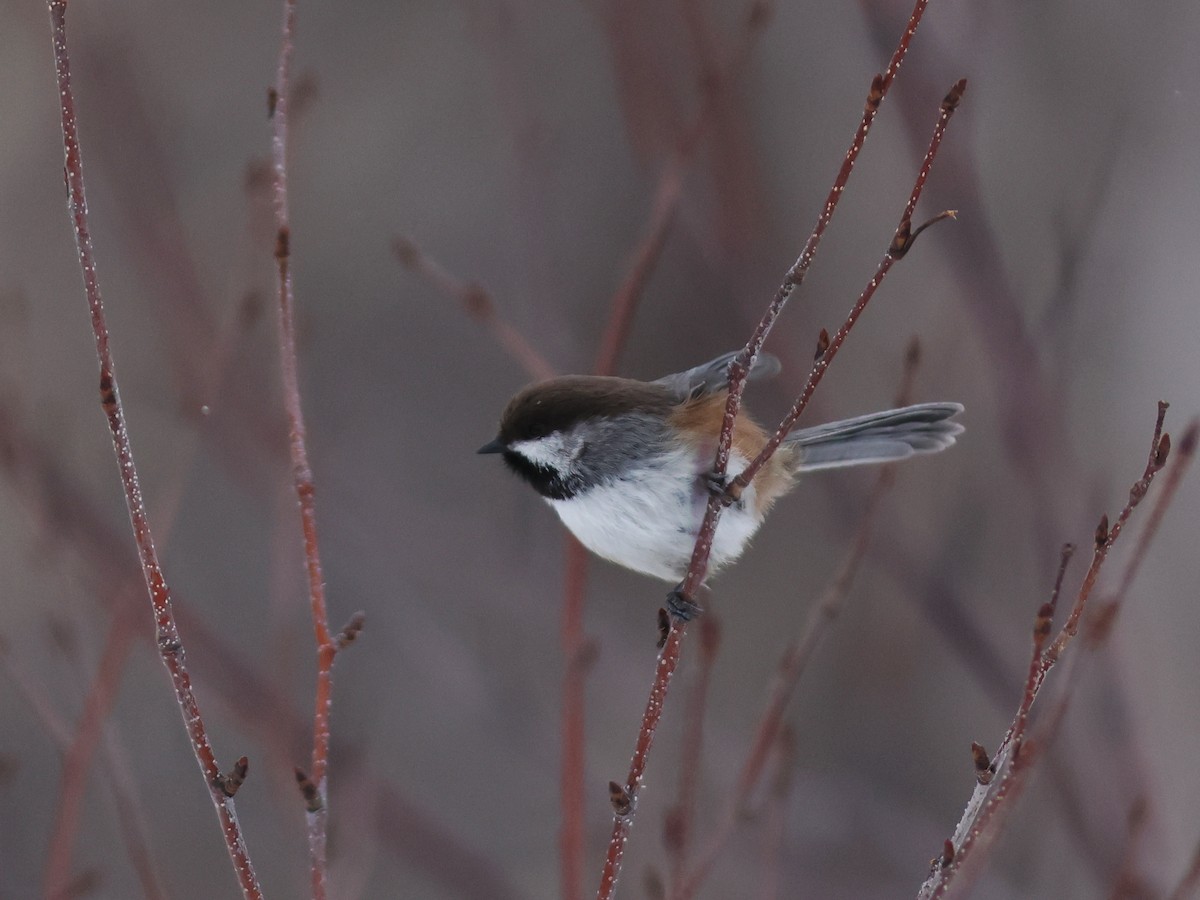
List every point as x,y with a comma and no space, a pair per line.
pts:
681,606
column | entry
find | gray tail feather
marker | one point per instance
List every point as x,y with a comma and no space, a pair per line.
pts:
879,437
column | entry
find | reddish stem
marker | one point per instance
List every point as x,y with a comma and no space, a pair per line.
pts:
682,816
169,642
905,235
645,258
78,757
317,806
577,658
990,803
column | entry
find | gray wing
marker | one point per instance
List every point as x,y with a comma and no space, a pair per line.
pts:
878,437
713,376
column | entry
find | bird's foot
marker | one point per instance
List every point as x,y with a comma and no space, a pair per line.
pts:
724,487
681,606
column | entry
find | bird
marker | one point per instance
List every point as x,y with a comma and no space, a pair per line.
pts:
628,465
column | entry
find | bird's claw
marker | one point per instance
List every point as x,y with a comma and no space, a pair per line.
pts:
724,487
681,606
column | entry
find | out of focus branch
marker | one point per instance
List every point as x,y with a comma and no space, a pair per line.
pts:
1008,771
476,303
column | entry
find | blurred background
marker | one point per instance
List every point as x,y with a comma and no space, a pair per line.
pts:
521,146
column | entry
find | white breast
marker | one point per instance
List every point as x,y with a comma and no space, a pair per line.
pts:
648,519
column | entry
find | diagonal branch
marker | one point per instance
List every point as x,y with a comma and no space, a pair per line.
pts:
1007,774
168,640
625,796
313,784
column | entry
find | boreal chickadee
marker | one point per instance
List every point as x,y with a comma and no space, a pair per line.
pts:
627,464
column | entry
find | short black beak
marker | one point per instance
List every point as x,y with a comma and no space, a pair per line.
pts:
493,446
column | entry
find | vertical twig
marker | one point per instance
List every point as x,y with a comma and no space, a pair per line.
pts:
314,783
680,823
577,658
169,642
781,790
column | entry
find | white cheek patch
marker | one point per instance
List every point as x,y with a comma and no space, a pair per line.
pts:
550,451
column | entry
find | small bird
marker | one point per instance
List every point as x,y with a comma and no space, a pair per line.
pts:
627,464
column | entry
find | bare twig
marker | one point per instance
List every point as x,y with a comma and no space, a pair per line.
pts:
738,371
314,786
785,762
77,760
169,643
408,830
991,803
642,264
477,303
119,779
906,234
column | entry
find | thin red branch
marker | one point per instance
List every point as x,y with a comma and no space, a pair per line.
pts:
644,260
52,495
477,303
119,781
680,820
901,243
316,799
77,760
170,645
992,802
577,654
796,657
668,657
777,803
